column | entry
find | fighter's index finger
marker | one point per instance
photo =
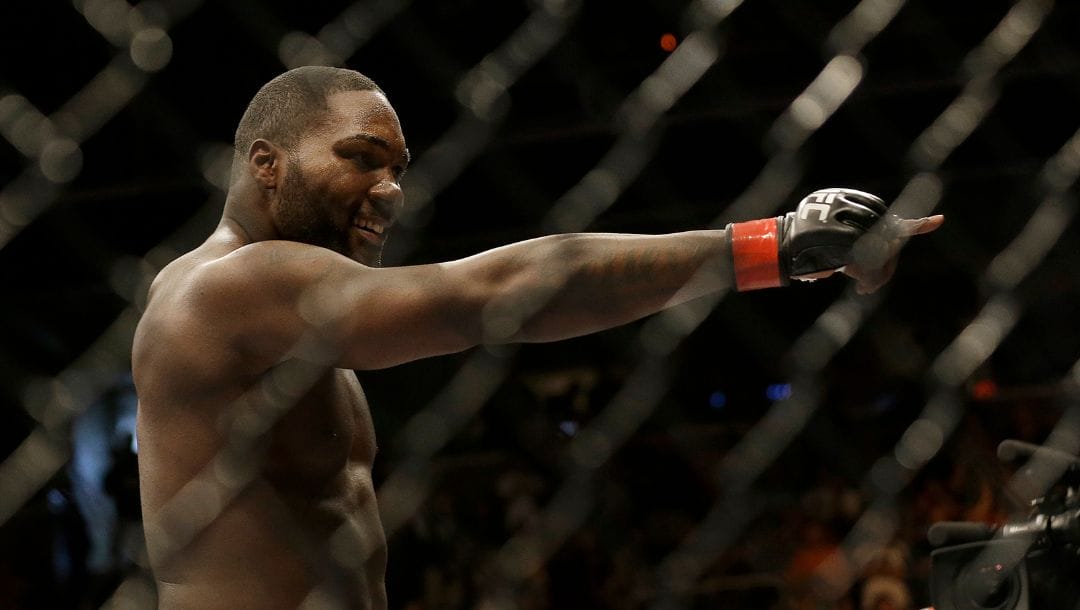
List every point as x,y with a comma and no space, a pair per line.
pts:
920,226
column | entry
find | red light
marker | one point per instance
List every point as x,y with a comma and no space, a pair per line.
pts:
668,42
984,389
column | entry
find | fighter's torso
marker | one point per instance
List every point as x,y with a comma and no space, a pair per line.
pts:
257,488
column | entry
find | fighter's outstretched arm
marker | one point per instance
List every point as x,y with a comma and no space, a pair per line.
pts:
285,299
545,289
293,300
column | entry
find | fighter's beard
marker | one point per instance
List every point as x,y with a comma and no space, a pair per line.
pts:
301,220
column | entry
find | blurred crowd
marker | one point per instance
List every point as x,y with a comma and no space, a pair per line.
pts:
790,558
80,536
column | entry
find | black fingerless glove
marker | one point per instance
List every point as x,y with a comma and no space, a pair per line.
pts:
818,236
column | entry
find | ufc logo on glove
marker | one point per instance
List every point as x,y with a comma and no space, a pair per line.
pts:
818,236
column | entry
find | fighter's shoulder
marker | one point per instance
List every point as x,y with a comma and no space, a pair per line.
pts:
233,295
262,266
271,256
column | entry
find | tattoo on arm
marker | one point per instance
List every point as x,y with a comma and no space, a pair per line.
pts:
648,266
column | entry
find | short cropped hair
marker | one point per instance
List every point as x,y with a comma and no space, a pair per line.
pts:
291,104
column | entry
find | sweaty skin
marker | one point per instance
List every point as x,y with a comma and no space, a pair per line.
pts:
254,501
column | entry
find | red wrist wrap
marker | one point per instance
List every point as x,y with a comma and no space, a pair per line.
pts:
756,254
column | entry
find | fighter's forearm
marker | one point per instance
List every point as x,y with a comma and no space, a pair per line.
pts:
567,285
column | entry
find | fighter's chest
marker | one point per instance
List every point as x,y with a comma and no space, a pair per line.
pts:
329,425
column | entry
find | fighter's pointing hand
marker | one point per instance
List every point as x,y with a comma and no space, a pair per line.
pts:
831,230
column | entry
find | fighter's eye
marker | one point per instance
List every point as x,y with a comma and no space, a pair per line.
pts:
364,161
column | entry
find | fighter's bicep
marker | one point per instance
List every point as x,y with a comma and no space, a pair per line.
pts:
374,318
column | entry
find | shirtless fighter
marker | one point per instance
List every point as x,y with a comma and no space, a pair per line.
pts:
256,443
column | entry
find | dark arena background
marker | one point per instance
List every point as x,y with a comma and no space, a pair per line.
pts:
778,449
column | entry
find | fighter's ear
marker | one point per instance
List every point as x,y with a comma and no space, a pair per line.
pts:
264,162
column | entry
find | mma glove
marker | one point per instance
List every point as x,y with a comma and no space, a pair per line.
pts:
820,235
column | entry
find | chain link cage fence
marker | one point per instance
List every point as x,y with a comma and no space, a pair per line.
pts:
778,449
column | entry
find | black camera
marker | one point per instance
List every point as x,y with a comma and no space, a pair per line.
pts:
1032,564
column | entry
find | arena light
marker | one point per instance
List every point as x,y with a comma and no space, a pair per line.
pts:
668,42
778,391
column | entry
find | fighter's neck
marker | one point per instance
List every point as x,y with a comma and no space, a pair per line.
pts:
246,216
